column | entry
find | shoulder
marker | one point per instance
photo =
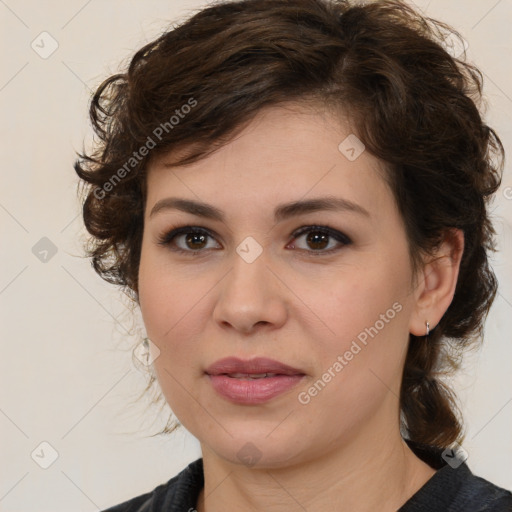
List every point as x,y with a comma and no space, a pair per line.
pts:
454,487
484,496
459,490
180,493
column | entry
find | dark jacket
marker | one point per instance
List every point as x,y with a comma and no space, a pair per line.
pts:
449,490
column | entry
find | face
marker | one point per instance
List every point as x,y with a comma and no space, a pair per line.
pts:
326,291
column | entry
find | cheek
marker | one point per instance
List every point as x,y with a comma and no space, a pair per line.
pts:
167,295
174,306
359,369
172,309
366,332
352,300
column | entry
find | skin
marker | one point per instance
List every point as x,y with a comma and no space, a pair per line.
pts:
341,451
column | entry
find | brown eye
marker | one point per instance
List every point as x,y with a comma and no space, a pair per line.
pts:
195,241
318,239
187,239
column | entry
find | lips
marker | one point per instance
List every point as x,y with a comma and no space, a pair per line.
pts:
259,367
252,382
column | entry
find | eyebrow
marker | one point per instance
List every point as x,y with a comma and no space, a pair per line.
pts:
281,212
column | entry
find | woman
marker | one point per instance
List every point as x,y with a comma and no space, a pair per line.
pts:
295,193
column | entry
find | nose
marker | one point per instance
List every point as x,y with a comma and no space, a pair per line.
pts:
251,297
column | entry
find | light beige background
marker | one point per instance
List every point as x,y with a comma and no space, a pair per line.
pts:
66,372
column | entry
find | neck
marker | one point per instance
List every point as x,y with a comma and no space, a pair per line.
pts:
380,474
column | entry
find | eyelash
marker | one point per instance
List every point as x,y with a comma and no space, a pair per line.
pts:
343,239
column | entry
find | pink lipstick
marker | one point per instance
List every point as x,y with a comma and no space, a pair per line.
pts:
254,381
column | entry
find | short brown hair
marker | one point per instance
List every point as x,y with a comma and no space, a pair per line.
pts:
413,105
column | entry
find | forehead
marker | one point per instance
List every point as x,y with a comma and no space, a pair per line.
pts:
283,154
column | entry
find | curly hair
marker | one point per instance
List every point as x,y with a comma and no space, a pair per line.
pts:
414,105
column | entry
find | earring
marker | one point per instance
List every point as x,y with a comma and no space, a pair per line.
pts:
428,329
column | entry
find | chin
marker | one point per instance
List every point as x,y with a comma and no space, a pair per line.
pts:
257,451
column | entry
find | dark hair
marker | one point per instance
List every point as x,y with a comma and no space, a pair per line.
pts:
382,64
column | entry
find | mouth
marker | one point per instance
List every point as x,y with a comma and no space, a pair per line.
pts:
250,376
252,382
257,368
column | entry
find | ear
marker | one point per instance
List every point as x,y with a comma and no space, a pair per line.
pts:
436,283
